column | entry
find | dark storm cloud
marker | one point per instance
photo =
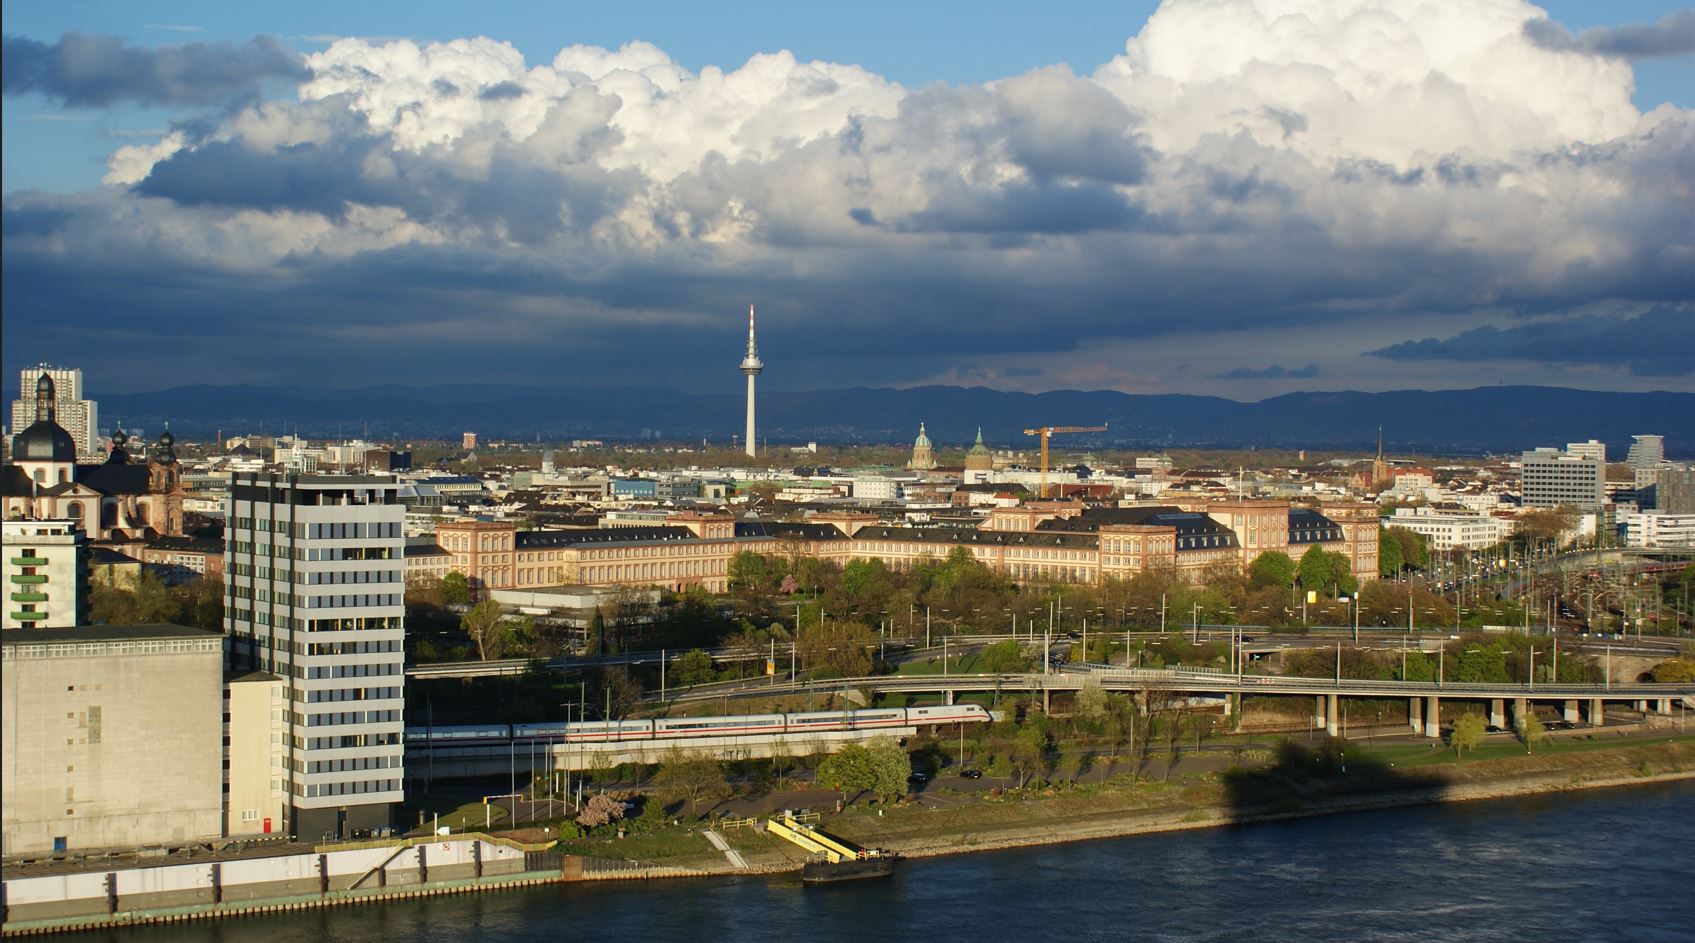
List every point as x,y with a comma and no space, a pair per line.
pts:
1273,372
501,90
302,177
1660,342
519,199
97,71
1032,209
1673,35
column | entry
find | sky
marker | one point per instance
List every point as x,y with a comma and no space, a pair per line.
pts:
1230,197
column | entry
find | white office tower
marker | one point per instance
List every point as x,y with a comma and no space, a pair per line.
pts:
1573,479
315,586
74,414
752,366
1647,451
1594,448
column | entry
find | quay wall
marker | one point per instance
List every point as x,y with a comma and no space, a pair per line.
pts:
331,875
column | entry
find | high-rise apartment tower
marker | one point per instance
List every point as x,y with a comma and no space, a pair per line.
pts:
315,586
74,414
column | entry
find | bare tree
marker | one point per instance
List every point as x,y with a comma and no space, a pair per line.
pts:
690,778
1165,720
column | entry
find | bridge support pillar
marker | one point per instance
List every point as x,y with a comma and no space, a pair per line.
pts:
1571,712
1433,717
1663,706
1498,712
947,698
1318,710
1521,711
1332,724
1415,714
1641,706
1597,713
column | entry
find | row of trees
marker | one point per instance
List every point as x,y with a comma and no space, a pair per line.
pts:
1503,658
148,600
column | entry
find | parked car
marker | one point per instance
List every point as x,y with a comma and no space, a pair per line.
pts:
918,778
971,773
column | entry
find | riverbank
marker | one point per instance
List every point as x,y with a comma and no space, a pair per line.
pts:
946,824
1295,782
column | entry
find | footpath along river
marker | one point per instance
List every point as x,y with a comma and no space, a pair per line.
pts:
1616,864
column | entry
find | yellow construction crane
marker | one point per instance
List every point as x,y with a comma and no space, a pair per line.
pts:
1046,431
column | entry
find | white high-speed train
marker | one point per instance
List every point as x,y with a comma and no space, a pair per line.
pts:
749,725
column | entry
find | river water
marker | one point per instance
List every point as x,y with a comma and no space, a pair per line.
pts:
1599,866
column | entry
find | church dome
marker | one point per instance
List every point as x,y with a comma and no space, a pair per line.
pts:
44,441
166,454
923,458
118,455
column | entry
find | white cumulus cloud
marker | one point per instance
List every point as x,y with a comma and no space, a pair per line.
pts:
1274,163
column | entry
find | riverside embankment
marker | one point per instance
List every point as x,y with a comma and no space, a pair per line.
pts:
1291,784
1276,789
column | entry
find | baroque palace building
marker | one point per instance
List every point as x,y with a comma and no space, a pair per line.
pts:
1053,540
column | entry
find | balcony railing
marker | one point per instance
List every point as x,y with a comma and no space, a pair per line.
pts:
29,561
29,597
29,616
29,577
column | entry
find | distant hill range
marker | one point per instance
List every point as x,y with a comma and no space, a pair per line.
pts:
1486,419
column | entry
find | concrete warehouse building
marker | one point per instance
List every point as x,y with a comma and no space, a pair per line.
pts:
113,737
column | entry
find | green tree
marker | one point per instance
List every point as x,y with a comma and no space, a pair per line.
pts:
455,589
1531,731
1328,574
482,625
1467,735
149,602
691,668
891,768
1414,547
1003,658
1272,568
849,770
1091,701
1030,753
838,649
690,778
1390,561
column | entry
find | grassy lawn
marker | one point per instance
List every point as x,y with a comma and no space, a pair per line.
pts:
471,815
668,842
1403,755
957,664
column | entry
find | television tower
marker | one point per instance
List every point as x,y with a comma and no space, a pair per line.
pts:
752,366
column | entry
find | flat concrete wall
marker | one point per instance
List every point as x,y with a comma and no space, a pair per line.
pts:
255,879
106,747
